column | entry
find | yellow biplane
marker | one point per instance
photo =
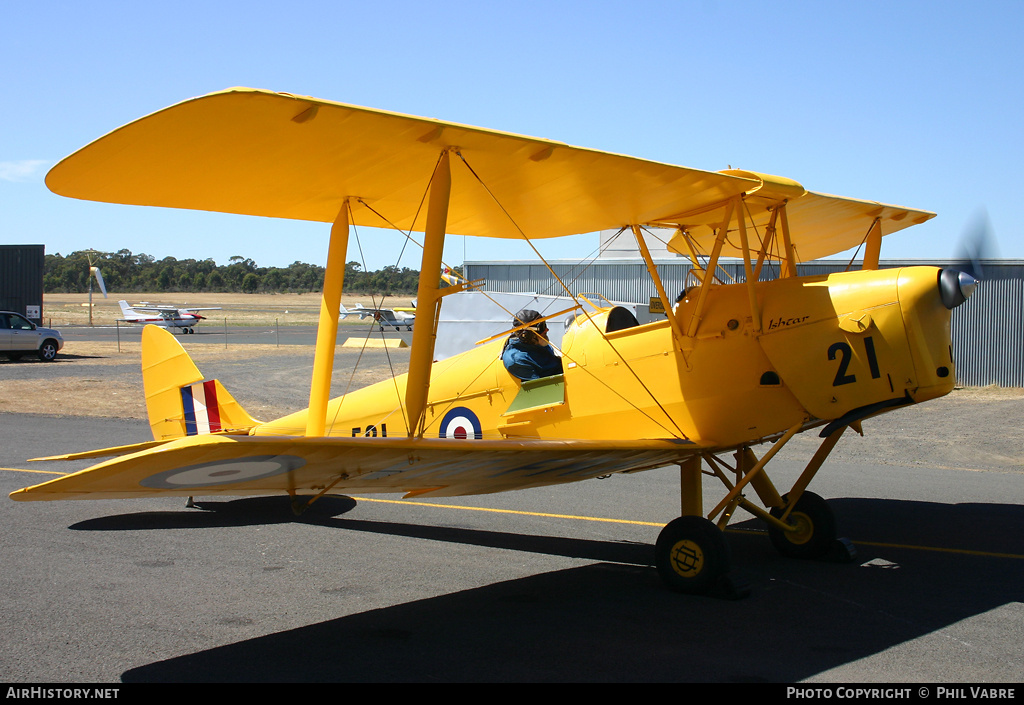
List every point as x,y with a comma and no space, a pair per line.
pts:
730,367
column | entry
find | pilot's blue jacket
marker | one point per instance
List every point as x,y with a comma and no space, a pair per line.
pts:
527,361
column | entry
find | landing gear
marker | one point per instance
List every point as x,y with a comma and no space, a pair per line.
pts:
814,528
810,531
691,555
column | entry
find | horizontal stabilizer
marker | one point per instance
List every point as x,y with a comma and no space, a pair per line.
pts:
103,452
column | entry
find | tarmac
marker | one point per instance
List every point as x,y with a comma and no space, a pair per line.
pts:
552,585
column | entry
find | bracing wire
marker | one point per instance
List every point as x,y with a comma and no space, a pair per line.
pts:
569,293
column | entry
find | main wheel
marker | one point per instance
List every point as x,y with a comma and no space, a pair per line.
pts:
815,528
48,350
691,554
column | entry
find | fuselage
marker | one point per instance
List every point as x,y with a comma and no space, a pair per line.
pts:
789,351
187,320
161,316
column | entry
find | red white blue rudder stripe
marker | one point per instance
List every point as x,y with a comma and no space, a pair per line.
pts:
199,403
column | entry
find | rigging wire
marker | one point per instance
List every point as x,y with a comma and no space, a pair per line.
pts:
409,238
618,354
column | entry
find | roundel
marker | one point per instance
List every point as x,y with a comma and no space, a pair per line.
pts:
460,422
224,472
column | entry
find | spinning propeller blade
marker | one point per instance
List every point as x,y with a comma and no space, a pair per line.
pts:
977,243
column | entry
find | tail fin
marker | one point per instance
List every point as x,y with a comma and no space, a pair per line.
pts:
179,402
125,308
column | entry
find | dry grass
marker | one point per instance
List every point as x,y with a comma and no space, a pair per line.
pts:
989,393
81,397
98,379
236,309
106,382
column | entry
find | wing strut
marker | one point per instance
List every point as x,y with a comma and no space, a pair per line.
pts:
428,300
652,270
709,270
327,329
874,240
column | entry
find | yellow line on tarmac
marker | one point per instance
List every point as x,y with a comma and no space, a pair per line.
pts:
961,551
936,549
988,554
506,511
964,551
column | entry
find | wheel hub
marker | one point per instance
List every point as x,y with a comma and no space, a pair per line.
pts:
803,528
687,558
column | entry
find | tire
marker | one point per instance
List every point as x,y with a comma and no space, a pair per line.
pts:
816,528
14,356
691,555
48,350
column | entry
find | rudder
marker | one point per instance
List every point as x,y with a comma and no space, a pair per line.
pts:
179,402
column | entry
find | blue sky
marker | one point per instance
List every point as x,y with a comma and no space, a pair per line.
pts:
912,103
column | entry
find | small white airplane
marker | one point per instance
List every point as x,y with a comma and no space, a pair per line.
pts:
163,315
394,317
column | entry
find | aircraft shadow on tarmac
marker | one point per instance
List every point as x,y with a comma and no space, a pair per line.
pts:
614,621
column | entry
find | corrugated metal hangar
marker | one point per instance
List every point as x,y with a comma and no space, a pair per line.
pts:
21,280
988,330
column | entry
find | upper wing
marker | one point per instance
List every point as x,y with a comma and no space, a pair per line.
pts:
819,224
273,154
172,310
243,465
155,309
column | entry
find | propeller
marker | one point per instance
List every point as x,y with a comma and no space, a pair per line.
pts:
958,282
976,244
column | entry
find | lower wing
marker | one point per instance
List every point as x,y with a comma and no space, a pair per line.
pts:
248,465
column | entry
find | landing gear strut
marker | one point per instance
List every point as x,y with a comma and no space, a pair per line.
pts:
691,553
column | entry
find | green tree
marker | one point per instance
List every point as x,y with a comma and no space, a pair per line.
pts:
250,283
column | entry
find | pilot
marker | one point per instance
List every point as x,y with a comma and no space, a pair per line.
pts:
683,297
527,353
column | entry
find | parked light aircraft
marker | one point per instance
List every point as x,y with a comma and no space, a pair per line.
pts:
394,317
161,315
732,367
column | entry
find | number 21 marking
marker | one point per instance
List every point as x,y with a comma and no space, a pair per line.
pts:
845,353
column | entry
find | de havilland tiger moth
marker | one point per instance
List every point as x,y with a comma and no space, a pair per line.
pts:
732,366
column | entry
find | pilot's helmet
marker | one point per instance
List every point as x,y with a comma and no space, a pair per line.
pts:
529,334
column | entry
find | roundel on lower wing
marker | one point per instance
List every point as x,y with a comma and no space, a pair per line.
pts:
460,422
224,472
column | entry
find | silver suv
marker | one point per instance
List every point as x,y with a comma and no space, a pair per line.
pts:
18,336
